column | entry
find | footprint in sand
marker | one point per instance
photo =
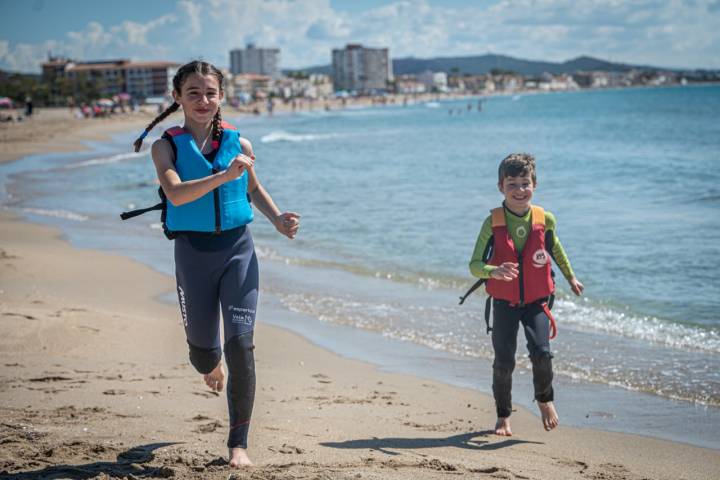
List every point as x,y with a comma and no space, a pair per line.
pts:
7,256
199,418
207,394
21,315
113,391
287,449
50,378
208,427
322,378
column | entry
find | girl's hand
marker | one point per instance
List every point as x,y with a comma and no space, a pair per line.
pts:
506,272
238,165
576,286
287,223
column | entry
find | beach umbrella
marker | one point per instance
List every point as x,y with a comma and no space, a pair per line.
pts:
5,102
124,96
105,102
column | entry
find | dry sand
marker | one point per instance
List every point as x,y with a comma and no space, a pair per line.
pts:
57,130
95,383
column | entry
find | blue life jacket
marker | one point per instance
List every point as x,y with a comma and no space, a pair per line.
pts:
224,208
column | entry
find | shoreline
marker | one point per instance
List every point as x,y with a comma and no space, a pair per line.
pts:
65,133
63,285
119,381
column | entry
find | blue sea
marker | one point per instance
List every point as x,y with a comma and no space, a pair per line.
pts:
392,199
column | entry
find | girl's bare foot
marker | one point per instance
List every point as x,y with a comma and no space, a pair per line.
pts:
215,379
502,427
239,458
549,415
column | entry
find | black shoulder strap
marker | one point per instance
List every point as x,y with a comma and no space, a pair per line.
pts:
169,138
487,255
550,243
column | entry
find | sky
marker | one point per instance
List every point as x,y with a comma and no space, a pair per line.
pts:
665,33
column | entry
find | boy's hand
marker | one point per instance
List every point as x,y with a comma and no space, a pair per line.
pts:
507,272
576,286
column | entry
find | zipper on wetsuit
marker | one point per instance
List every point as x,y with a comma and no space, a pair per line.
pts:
216,198
520,280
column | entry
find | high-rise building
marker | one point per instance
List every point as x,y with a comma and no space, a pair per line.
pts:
263,61
361,69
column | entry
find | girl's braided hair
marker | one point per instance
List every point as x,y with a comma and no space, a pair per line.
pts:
201,68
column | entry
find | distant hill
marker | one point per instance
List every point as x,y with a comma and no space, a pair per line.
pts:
481,64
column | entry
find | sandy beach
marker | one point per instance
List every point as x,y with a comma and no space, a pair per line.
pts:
95,383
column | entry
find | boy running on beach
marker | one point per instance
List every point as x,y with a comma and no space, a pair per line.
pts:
513,253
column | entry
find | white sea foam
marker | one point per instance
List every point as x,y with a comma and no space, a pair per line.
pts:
646,328
106,160
283,136
64,214
432,105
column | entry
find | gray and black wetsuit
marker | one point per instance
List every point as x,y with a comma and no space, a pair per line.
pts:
218,273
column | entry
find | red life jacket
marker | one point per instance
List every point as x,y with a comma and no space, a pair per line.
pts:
534,280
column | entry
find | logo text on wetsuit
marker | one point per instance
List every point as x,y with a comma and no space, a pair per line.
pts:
246,316
183,310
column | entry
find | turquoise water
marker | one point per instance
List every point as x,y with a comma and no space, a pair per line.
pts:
394,197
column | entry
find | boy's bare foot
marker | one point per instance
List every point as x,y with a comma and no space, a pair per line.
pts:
502,427
215,379
549,415
239,458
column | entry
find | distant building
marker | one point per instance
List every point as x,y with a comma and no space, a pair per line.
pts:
311,86
260,61
361,69
557,82
434,81
252,85
408,84
111,77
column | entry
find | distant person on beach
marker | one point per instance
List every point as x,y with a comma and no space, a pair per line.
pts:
28,106
512,254
206,170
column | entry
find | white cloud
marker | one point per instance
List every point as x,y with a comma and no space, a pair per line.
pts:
24,57
126,40
93,34
136,33
326,29
672,33
192,18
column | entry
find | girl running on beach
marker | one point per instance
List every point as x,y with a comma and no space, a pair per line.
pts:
206,172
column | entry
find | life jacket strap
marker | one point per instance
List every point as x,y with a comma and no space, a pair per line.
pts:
475,286
488,303
140,211
553,326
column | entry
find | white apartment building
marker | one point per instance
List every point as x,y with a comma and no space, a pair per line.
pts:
261,61
361,69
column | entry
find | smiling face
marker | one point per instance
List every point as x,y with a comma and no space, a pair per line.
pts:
518,192
200,97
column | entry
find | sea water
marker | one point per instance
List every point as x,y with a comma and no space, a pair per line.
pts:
392,199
